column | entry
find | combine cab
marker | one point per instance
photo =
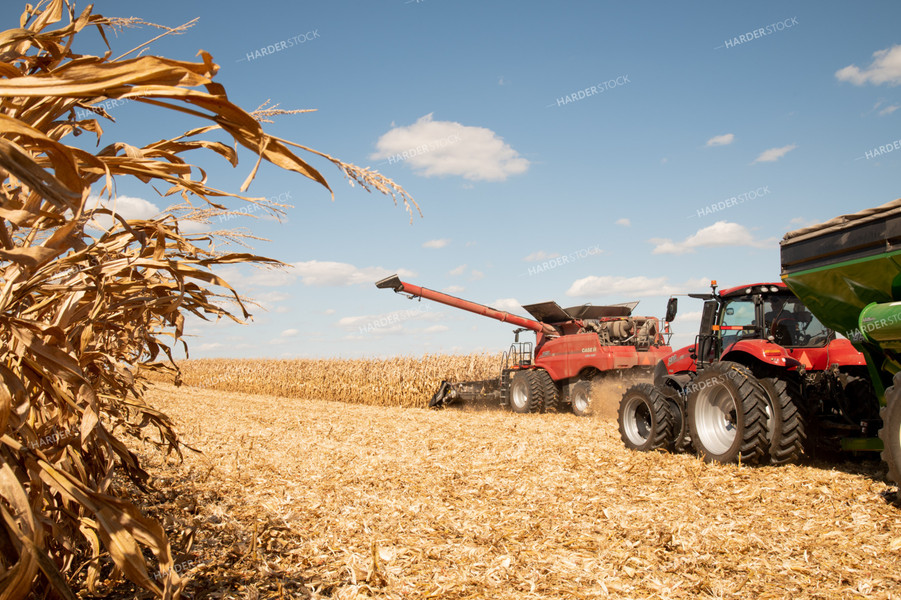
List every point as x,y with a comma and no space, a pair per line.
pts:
764,380
572,346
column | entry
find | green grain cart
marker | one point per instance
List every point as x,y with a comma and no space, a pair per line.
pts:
847,271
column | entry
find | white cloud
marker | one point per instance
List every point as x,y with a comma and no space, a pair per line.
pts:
454,289
721,233
439,148
888,110
721,140
436,329
458,270
290,332
774,154
476,275
391,322
131,207
624,222
436,243
594,286
127,207
334,274
506,304
885,68
540,255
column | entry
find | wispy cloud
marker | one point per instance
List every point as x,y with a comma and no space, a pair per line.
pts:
540,255
440,148
721,233
507,304
721,140
774,154
885,68
624,222
436,243
595,286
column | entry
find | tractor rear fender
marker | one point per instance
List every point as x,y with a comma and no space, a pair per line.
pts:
677,381
760,352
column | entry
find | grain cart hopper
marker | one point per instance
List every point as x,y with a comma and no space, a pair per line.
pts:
763,376
572,346
848,272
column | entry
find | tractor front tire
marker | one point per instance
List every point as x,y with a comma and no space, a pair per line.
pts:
890,434
785,425
676,404
645,419
525,392
727,414
580,398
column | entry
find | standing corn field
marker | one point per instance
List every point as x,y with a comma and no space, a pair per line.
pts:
80,311
397,381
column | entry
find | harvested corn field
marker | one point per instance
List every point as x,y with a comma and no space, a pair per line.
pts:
299,497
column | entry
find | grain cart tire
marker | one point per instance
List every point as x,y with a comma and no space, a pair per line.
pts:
550,394
676,405
580,397
785,425
525,392
890,434
645,419
727,414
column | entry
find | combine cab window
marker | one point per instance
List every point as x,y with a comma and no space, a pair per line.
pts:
737,314
790,323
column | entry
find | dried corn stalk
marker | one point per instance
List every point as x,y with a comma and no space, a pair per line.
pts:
79,313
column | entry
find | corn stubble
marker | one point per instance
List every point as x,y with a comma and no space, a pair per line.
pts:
82,309
397,381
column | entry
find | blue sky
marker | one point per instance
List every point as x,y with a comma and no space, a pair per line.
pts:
673,108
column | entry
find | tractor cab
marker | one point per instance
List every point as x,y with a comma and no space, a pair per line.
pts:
766,314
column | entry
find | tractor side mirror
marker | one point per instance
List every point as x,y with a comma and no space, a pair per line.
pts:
671,307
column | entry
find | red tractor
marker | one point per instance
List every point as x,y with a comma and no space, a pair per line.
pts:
572,346
764,381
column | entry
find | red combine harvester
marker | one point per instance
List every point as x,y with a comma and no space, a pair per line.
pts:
572,346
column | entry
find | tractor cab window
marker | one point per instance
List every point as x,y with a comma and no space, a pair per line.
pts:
789,323
737,314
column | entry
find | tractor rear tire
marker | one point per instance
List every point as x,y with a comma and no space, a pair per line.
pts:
580,398
785,425
727,414
890,434
550,394
676,404
525,392
645,419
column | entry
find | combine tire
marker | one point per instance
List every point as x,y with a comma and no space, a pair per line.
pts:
645,419
525,392
785,426
580,396
727,414
676,405
891,431
550,395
